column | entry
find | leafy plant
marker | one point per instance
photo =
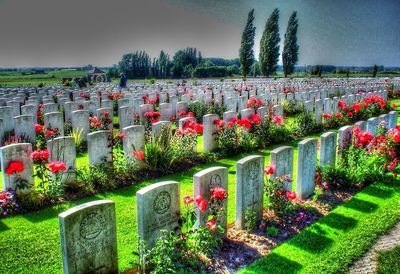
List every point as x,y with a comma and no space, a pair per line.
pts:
78,138
289,107
201,108
279,200
159,155
250,219
304,123
98,177
163,257
272,231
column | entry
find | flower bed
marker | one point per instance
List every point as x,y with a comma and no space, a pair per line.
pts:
365,159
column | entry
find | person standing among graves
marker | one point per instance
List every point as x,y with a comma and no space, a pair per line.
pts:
122,81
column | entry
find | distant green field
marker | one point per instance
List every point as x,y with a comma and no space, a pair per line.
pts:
30,78
17,78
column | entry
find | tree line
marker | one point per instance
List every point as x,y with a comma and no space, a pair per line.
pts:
184,64
269,47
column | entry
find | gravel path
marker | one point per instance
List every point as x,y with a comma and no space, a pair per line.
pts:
368,263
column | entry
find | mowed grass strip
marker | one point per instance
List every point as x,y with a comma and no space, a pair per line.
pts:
334,242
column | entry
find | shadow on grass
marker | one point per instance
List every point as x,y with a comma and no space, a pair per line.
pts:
3,227
338,221
361,205
45,214
312,242
275,263
378,191
128,191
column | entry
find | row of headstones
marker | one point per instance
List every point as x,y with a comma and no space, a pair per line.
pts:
88,231
23,124
99,149
63,149
129,105
261,85
135,99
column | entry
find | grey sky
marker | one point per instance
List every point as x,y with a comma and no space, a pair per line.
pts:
99,32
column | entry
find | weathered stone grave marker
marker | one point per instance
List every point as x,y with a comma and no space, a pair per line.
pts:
249,188
158,208
88,238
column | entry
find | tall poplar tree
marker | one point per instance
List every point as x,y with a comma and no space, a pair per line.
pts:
290,54
269,45
246,52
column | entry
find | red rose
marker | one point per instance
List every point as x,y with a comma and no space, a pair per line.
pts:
14,166
364,138
199,128
218,193
396,136
269,170
39,156
341,104
255,119
244,123
49,133
349,114
57,166
326,116
38,128
138,154
356,107
291,195
121,135
201,203
277,120
219,123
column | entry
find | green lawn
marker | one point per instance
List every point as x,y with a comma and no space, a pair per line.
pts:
14,78
332,243
389,261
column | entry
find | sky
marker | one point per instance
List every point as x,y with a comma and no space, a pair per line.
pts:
99,32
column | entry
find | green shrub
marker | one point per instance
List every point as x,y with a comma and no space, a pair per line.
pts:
289,107
200,108
98,177
272,231
303,124
232,140
250,218
159,155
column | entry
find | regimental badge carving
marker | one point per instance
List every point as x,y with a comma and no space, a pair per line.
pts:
215,180
162,202
91,225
